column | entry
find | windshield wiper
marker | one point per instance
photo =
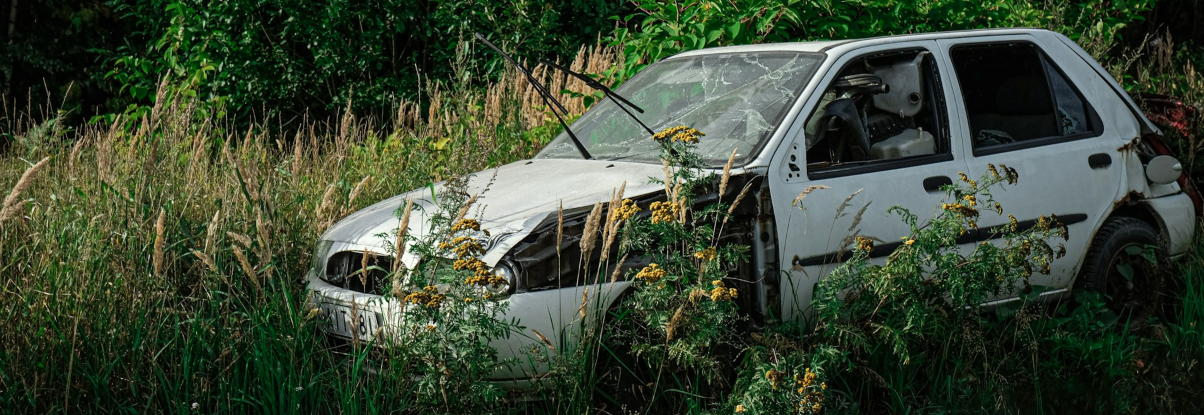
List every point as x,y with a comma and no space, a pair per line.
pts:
548,99
618,100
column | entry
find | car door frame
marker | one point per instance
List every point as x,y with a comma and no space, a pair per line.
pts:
1117,128
795,301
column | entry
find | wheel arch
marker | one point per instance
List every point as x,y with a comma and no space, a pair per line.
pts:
1128,207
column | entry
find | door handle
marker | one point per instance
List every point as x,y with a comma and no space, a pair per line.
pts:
934,183
1099,160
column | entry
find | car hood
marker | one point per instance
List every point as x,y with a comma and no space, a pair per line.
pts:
512,200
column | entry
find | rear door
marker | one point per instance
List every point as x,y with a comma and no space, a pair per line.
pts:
1025,110
851,189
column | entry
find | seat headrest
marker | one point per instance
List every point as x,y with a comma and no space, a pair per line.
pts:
905,97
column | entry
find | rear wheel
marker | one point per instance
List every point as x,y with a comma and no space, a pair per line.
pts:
1123,266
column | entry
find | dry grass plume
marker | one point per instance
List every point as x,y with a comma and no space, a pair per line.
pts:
12,203
160,242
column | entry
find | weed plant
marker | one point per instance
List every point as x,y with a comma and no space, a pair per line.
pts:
156,263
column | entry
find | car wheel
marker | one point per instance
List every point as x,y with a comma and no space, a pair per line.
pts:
1121,267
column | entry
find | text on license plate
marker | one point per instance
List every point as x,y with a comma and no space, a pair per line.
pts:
342,321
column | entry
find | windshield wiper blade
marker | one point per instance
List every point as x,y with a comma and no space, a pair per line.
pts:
592,83
548,99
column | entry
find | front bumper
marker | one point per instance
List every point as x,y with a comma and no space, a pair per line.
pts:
555,313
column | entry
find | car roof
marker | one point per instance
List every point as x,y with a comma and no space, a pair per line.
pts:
826,45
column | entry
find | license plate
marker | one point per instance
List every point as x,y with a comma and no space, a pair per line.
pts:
341,321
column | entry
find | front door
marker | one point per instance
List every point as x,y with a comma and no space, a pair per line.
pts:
876,136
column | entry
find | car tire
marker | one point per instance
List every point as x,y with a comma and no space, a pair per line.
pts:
1133,299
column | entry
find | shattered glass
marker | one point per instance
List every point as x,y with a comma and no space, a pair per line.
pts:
736,99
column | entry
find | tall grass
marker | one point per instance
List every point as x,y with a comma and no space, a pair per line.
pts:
156,264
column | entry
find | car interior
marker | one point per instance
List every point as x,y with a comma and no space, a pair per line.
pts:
1012,93
880,107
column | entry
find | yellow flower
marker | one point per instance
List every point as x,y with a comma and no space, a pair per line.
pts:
1043,223
708,254
774,376
627,210
678,133
722,293
865,244
664,212
668,132
1012,175
960,209
909,242
470,264
651,273
739,408
424,298
465,224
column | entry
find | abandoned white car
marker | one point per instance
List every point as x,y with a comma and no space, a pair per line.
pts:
894,117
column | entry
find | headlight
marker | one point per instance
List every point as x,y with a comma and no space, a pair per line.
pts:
504,269
318,262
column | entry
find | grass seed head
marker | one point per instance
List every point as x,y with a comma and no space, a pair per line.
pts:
399,243
464,209
727,173
355,192
735,203
674,322
160,242
559,227
211,232
12,203
544,339
798,201
205,259
591,230
844,205
242,239
246,267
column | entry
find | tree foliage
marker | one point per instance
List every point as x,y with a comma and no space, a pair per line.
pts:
284,58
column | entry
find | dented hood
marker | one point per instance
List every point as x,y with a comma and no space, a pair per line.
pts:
513,199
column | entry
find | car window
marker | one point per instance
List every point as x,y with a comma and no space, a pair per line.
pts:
736,99
885,106
1013,93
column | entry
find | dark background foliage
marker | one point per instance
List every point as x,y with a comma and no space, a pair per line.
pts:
271,58
282,60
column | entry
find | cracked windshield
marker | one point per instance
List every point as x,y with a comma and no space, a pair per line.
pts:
736,99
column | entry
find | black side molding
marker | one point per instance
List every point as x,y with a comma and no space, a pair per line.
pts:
971,236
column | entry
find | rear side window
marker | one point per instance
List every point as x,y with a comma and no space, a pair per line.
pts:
1014,94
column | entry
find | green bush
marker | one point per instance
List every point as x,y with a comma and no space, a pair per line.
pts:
660,29
289,60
